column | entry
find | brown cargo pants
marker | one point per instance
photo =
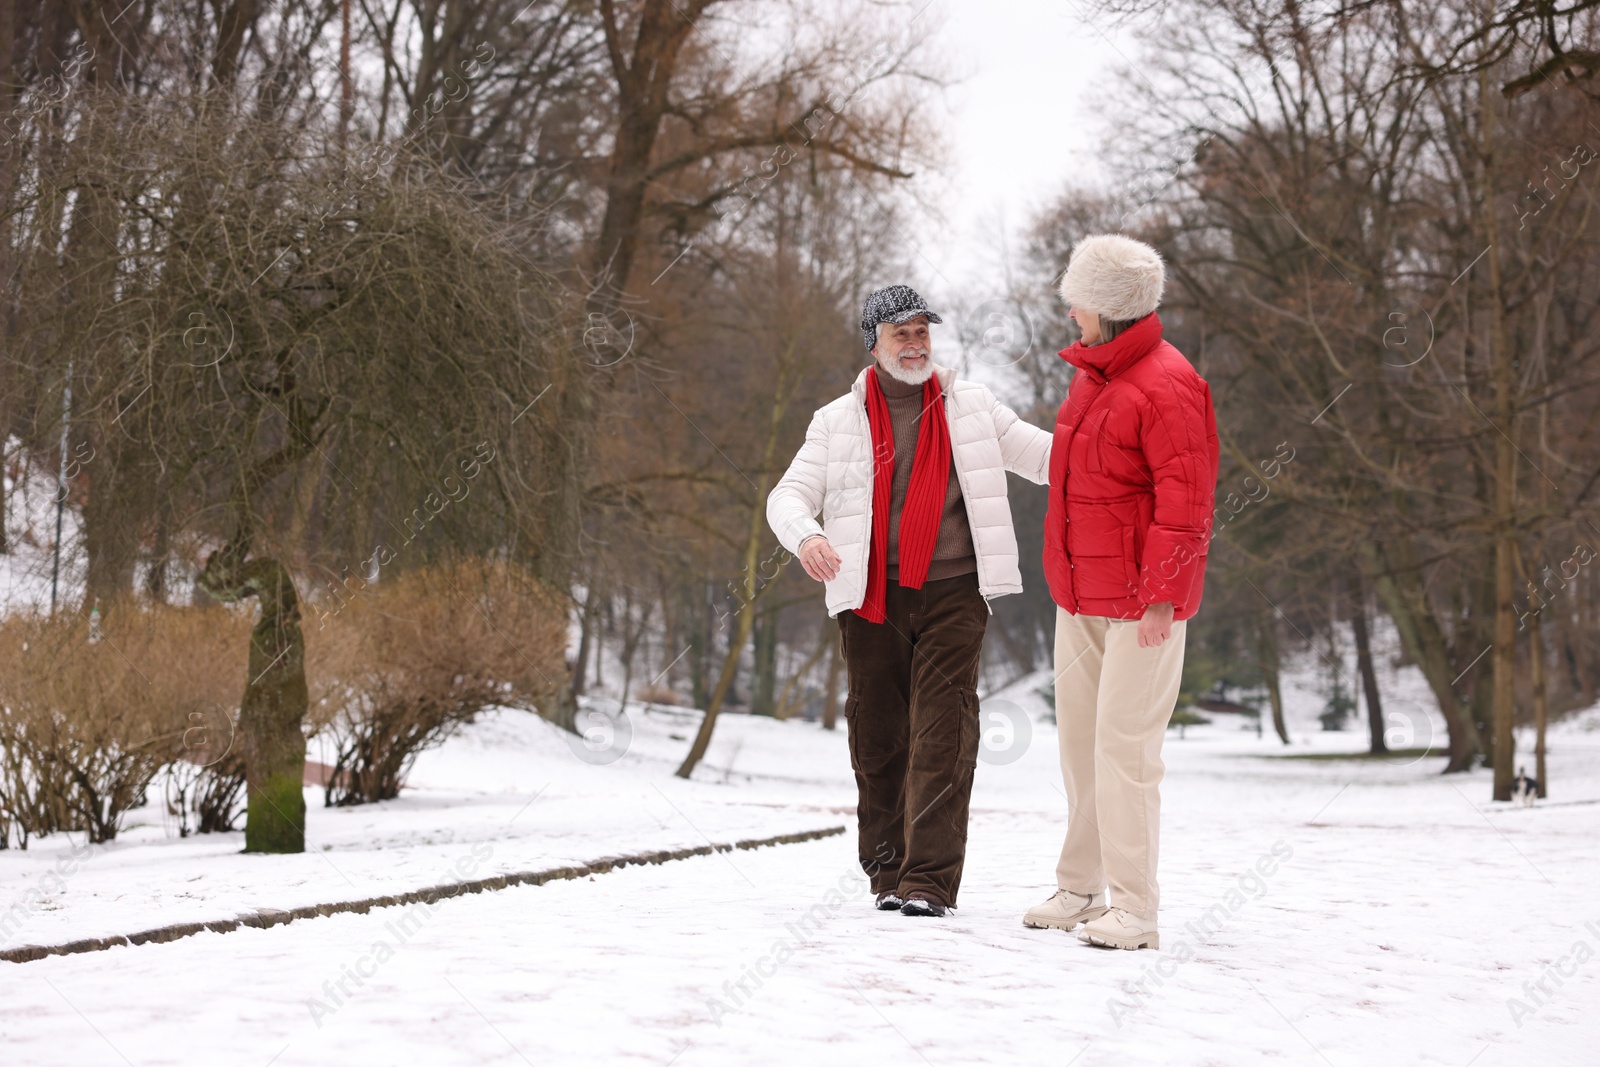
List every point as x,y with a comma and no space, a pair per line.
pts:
913,722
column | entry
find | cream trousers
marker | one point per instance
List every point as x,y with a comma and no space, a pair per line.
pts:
1113,700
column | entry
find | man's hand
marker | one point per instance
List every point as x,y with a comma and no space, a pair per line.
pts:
1155,625
819,559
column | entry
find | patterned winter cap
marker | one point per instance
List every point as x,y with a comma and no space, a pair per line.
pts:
894,303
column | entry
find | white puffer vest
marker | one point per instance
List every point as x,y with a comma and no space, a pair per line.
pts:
832,474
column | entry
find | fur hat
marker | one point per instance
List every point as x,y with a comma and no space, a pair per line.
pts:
1115,277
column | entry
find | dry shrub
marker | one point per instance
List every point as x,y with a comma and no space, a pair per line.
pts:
408,661
86,725
205,797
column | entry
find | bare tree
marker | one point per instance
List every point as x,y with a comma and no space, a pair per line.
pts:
238,347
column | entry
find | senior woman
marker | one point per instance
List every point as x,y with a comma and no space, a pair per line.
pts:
1133,475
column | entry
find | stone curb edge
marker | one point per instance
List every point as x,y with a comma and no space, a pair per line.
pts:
267,917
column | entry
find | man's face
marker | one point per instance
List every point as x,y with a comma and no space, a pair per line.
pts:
905,351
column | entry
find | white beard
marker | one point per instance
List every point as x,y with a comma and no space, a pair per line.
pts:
892,365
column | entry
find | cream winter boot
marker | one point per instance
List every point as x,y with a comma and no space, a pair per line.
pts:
1065,910
1118,929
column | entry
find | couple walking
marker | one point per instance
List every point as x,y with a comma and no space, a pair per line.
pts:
908,471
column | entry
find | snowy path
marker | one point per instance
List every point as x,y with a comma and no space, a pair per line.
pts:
511,783
1399,919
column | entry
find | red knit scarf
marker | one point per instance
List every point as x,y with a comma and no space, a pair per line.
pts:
924,503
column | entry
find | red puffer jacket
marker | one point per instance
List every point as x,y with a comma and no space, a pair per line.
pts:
1133,479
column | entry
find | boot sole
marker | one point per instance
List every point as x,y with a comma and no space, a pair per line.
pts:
1042,923
1127,943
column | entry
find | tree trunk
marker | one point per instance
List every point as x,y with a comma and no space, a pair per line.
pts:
1572,651
1540,698
701,643
155,580
1480,706
605,618
1401,592
1504,557
580,668
633,630
1369,676
234,24
118,506
5,498
275,698
346,101
1587,650
1577,649
643,79
1505,486
671,632
764,685
1267,652
567,446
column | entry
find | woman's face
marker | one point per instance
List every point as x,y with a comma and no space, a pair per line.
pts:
1088,325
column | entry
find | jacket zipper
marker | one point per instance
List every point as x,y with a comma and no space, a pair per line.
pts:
966,497
966,503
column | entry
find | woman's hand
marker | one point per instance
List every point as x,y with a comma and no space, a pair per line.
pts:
1155,625
819,559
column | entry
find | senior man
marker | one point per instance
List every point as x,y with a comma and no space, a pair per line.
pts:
908,471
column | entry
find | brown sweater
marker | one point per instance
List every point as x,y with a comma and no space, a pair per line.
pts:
953,554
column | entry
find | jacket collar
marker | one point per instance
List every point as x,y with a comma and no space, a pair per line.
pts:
946,376
1106,361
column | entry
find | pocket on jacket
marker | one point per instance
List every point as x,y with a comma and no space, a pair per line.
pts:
1094,530
1102,578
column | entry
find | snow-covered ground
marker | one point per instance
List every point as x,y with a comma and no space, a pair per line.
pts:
1315,911
512,783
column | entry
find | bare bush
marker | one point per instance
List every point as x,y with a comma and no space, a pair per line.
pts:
85,726
411,660
206,796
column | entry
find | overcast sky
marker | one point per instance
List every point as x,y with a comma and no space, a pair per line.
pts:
1021,123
